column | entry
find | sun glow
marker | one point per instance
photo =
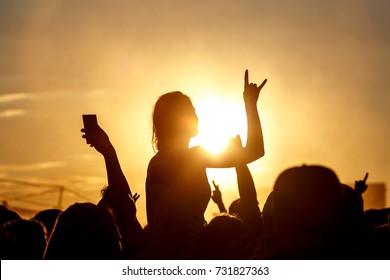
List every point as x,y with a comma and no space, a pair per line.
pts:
219,120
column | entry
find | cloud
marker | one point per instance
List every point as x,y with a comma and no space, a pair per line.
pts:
13,97
87,157
5,168
12,113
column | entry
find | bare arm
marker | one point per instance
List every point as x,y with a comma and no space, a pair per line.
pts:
100,141
255,144
246,186
117,195
254,149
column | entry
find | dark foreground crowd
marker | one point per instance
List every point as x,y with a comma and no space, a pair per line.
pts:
308,215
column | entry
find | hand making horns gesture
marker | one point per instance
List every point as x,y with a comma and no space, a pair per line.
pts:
251,90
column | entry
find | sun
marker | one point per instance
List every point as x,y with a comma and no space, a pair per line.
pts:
219,120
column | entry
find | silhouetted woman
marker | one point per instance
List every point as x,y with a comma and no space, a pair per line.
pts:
177,188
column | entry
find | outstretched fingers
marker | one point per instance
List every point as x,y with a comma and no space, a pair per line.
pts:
135,197
262,84
246,81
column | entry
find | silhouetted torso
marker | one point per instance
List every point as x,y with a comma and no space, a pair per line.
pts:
177,195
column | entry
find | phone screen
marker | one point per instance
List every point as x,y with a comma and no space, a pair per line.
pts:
90,121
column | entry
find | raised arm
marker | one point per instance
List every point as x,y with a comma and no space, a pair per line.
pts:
117,196
254,149
246,185
217,198
100,141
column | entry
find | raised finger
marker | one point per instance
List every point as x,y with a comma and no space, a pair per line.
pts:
262,84
365,178
215,185
246,78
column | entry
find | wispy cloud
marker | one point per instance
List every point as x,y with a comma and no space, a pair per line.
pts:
87,157
12,113
31,167
13,97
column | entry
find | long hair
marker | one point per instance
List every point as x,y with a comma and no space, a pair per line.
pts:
170,118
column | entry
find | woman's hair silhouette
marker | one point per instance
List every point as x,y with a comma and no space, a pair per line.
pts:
174,120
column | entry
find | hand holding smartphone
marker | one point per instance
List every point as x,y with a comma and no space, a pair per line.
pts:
90,124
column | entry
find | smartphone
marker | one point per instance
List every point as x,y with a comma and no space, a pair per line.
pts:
90,123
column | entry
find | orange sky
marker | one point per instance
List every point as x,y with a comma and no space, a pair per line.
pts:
327,100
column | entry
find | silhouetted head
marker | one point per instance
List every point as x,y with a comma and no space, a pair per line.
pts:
48,218
25,240
174,119
84,231
376,217
312,193
242,209
303,214
7,215
225,237
120,204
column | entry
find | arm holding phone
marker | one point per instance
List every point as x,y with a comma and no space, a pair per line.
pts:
117,196
96,137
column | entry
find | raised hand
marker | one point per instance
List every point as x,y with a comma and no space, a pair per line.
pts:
135,197
217,198
254,148
217,195
251,90
361,186
98,139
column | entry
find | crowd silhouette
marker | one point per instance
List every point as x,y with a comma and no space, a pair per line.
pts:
308,215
